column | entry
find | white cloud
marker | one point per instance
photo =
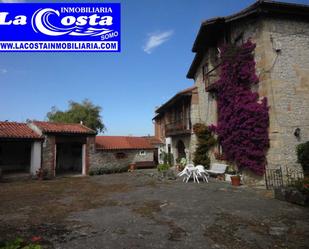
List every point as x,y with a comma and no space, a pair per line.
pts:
3,71
12,1
156,39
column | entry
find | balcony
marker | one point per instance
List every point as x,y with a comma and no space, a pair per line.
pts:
178,127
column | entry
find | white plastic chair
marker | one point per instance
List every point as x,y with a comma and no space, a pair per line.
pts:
201,172
185,172
192,172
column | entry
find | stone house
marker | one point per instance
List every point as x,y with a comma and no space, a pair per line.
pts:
281,34
174,121
121,151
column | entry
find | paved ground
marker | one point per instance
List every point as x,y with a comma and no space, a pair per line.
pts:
136,210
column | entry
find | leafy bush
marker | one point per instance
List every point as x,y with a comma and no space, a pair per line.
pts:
205,140
168,158
20,244
109,169
302,185
163,167
302,151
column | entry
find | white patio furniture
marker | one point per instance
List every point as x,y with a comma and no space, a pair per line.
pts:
216,169
185,172
201,172
191,171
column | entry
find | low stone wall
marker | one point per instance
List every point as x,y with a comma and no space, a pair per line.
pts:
118,158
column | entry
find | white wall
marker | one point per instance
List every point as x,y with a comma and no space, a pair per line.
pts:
84,155
35,161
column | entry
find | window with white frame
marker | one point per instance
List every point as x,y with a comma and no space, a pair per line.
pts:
142,153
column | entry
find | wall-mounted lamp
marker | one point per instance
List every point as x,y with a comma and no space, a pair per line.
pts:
297,133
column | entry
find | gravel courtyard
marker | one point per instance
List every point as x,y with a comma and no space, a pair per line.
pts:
136,210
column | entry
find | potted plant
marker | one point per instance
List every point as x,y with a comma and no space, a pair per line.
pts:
183,163
132,167
229,172
42,174
235,180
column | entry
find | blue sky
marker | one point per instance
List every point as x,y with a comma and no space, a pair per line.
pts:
157,38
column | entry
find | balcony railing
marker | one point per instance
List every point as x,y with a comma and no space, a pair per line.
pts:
178,127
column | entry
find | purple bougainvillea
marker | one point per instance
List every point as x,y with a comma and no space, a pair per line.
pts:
243,119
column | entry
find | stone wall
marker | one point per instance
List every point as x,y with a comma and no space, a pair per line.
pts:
282,63
285,76
207,103
90,153
186,140
48,155
104,158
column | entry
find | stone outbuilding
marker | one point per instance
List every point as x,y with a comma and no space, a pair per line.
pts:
55,148
65,149
20,148
121,151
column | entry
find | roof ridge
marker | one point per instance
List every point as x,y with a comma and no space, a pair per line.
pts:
54,122
12,122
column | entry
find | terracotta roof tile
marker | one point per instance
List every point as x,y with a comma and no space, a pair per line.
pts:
122,142
17,130
51,127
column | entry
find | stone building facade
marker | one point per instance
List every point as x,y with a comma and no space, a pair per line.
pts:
281,34
65,148
118,152
174,122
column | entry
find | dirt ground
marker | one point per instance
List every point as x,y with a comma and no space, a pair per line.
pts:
137,210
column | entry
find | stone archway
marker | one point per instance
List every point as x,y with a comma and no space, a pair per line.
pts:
181,152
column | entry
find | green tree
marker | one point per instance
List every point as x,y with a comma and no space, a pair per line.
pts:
85,111
205,140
